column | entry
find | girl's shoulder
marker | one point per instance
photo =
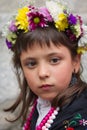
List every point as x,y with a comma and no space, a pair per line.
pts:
82,98
79,102
73,116
76,115
77,105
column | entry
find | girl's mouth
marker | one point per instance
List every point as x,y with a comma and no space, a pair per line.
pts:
46,87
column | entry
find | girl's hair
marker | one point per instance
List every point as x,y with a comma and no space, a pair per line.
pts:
42,36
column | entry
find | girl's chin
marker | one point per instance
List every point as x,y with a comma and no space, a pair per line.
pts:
47,98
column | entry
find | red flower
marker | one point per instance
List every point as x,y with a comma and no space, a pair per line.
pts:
36,19
70,128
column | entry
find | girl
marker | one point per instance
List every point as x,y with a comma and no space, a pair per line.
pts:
47,44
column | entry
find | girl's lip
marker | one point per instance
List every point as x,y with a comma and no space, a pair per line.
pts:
46,86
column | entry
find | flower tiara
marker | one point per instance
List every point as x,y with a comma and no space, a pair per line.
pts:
30,17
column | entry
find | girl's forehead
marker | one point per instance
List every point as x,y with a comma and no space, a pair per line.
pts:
36,48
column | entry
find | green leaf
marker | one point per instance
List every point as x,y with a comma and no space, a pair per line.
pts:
72,123
78,116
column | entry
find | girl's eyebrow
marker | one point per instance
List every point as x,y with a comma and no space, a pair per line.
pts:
28,58
54,53
46,55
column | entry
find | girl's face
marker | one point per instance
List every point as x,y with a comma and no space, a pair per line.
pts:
48,70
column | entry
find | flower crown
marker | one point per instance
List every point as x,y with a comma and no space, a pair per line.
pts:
30,17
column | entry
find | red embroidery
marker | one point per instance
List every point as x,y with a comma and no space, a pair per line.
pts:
70,128
76,120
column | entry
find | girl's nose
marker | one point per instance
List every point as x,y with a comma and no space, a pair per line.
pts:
43,71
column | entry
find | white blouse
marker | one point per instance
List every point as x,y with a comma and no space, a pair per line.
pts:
43,107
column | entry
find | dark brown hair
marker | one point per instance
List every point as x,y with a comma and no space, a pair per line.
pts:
41,36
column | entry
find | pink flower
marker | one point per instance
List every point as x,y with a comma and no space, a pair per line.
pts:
12,27
46,14
36,19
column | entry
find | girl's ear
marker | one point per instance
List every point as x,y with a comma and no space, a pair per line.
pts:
76,64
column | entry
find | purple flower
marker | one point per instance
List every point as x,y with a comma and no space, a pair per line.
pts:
12,27
46,14
36,19
9,44
72,19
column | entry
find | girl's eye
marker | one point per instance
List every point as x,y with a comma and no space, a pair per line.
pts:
31,64
54,60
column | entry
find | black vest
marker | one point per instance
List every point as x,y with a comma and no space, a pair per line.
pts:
72,116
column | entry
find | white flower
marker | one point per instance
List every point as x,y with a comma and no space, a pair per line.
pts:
83,40
78,30
54,8
5,30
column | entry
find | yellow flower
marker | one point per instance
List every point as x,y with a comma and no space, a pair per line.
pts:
21,19
81,50
62,22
